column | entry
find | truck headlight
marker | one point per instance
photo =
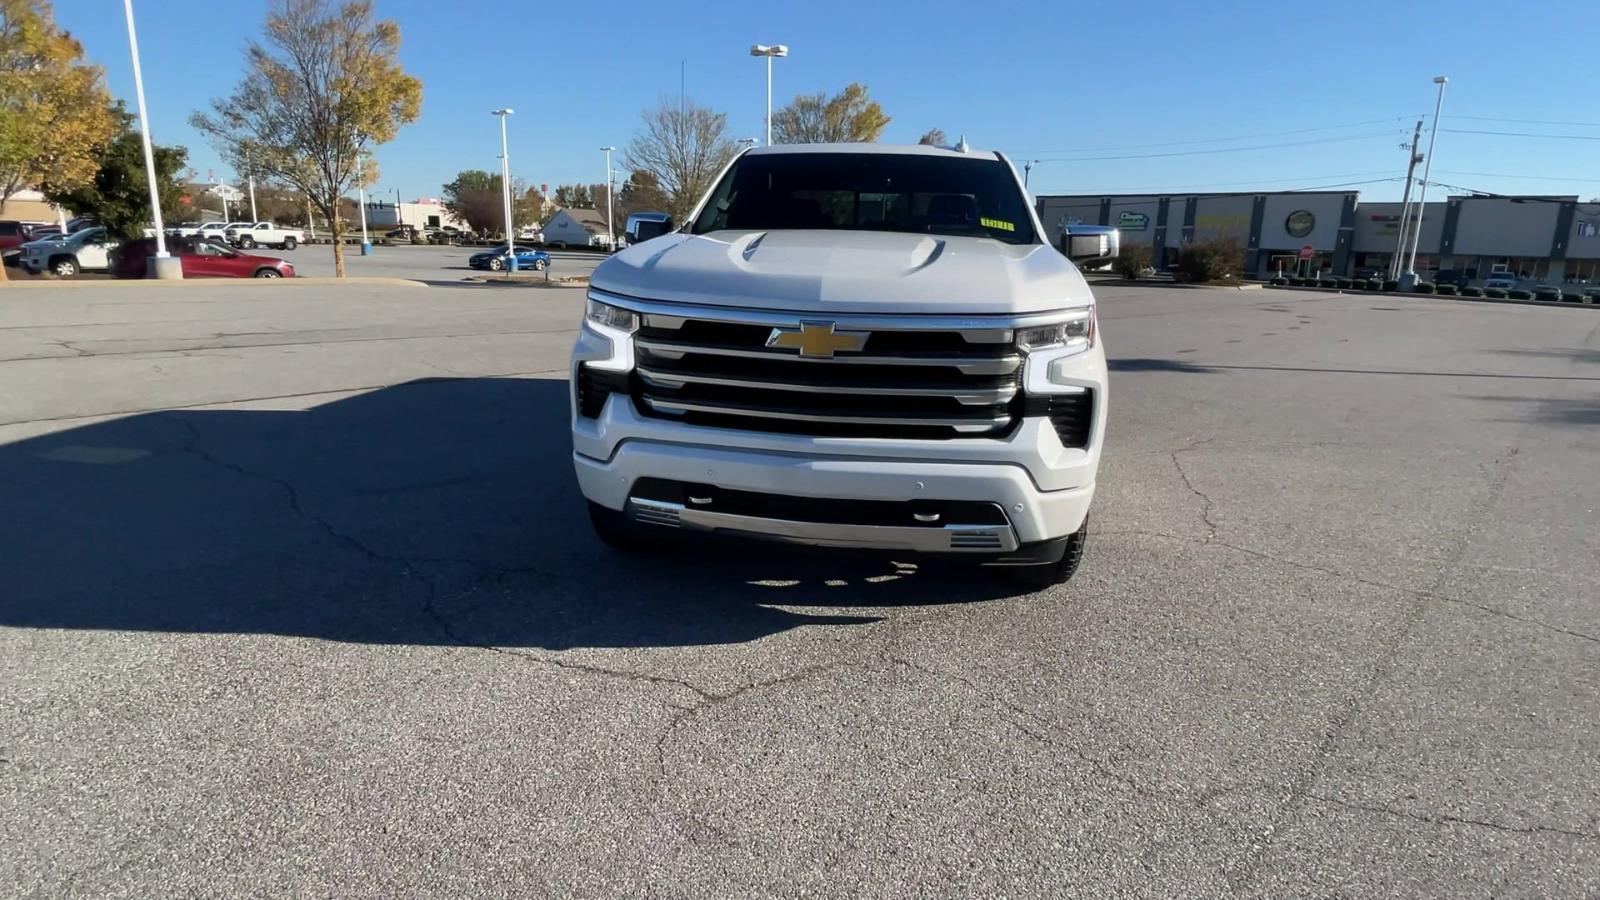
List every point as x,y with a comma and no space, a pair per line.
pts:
1074,334
624,320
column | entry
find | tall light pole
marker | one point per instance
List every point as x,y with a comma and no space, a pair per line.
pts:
253,216
1409,279
769,52
361,205
505,188
611,229
397,220
162,265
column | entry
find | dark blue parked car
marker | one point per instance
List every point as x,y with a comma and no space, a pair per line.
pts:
495,259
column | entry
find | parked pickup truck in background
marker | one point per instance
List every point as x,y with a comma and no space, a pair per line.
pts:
847,345
81,251
263,234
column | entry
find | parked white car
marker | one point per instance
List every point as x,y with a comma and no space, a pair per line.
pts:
263,234
848,345
88,250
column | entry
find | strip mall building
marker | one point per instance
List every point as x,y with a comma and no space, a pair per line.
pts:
1550,240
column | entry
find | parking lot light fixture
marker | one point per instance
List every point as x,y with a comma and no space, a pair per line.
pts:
611,229
1409,279
361,206
505,188
163,265
769,51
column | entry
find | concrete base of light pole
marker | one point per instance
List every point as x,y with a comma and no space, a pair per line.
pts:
1408,281
164,268
366,248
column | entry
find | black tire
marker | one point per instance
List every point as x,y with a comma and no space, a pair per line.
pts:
539,264
290,243
247,242
268,273
64,267
1060,571
615,530
496,264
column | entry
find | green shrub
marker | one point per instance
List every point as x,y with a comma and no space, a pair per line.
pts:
1520,295
1548,293
1495,293
1446,290
1297,281
1391,285
1372,284
1343,283
1279,282
1213,259
1326,283
1131,261
1472,292
1424,287
1570,297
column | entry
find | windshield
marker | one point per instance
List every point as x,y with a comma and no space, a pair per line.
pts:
870,192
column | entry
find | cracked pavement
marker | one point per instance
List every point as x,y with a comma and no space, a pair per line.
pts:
297,597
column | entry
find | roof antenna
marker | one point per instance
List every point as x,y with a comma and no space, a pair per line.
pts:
961,145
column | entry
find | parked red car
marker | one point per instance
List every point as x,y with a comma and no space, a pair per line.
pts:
201,259
13,234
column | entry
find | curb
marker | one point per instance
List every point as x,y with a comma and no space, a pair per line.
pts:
1123,282
570,282
57,283
1413,295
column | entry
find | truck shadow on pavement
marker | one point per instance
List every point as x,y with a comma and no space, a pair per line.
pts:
440,511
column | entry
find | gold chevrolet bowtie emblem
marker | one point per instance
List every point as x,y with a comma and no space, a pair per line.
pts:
817,340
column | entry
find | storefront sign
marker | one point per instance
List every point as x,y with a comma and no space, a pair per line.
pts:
1300,223
1222,223
1132,221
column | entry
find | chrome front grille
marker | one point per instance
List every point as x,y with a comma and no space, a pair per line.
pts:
906,380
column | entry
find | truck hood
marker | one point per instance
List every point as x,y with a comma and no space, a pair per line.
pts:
846,271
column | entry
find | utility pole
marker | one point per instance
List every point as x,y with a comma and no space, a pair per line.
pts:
253,216
1405,205
1027,169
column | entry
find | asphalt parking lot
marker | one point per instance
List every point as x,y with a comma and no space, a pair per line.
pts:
299,599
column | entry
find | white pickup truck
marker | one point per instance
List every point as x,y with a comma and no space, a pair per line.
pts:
88,250
850,345
246,235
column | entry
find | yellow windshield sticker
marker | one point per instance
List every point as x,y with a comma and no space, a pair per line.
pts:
996,223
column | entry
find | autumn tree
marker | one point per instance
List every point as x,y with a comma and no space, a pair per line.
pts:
640,193
118,196
682,148
55,113
527,204
848,116
934,137
322,89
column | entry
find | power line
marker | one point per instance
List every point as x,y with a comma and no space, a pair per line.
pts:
1184,195
1532,134
1220,140
1331,140
1187,190
1528,177
1527,121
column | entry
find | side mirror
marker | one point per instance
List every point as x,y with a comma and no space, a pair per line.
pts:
1090,245
643,227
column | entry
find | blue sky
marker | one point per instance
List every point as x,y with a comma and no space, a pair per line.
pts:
1342,82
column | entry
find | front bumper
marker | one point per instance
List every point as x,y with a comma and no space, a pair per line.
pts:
1032,515
1042,488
